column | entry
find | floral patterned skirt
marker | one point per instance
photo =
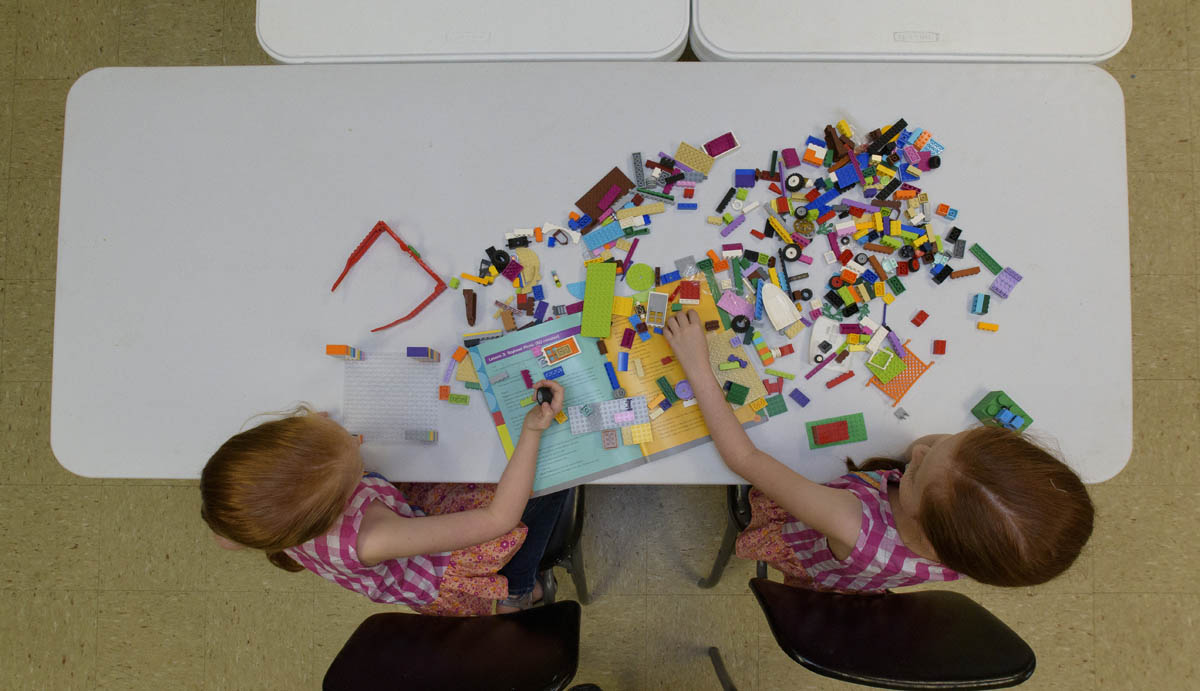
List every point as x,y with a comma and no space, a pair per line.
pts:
762,540
470,585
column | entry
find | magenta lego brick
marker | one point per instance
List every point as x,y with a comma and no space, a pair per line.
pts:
629,257
609,197
806,259
833,243
512,270
819,366
791,159
627,338
575,307
735,247
733,225
849,329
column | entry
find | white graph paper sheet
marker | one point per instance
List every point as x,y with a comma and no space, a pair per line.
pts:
609,414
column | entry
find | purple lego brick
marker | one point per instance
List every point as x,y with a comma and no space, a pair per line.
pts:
540,312
859,205
897,346
798,397
733,225
743,177
1005,281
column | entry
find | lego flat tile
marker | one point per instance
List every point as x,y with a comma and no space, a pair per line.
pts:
857,430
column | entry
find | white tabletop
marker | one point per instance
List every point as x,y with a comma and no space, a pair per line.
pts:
305,31
941,30
206,211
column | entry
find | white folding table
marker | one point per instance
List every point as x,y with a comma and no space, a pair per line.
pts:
934,30
307,31
205,213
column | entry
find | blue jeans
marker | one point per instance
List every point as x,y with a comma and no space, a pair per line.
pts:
541,515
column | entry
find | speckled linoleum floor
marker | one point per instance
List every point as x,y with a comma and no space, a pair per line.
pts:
115,584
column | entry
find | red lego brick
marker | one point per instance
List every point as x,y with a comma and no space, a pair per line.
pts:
920,318
689,192
831,433
939,347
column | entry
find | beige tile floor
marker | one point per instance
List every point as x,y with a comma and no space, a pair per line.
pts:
114,584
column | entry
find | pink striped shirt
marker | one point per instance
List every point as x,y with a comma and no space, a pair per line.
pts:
411,581
879,560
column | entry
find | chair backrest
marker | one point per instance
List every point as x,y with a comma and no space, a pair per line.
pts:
921,640
566,531
533,649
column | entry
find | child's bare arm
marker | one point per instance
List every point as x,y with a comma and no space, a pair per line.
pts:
391,536
834,512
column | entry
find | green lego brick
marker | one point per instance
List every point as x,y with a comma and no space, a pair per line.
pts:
987,409
655,194
737,393
890,241
726,366
742,193
735,268
985,259
473,385
886,368
776,405
459,399
857,428
779,373
667,390
676,307
634,232
453,282
896,285
847,296
601,282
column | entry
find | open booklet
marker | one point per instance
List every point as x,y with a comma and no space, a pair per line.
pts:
572,454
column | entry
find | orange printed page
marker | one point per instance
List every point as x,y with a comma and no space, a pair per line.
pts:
680,427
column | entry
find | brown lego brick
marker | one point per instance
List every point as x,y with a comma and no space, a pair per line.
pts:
589,203
964,272
883,249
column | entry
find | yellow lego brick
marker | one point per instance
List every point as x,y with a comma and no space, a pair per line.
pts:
643,210
561,417
774,276
921,240
863,231
868,224
778,228
857,348
758,404
622,305
637,434
843,128
653,402
715,221
884,170
877,217
888,298
745,414
880,288
894,229
987,326
852,339
913,171
694,158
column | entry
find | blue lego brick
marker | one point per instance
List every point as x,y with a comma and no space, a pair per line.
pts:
869,276
538,293
669,278
743,177
553,373
687,206
599,237
612,375
1005,416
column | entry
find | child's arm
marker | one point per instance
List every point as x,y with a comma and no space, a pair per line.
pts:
835,513
391,536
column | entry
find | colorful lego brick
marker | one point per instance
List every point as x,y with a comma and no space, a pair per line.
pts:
987,326
744,177
459,399
1005,282
985,258
797,396
998,410
980,303
839,379
736,393
423,353
598,299
846,429
776,405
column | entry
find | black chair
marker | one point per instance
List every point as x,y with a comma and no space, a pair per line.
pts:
932,639
565,550
737,504
536,649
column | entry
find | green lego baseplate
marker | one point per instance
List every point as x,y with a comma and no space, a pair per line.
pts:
987,409
601,283
776,405
855,422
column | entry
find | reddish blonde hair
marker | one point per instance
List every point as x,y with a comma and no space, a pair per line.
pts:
276,485
1009,513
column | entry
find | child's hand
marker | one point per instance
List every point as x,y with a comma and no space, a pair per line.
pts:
542,414
685,334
